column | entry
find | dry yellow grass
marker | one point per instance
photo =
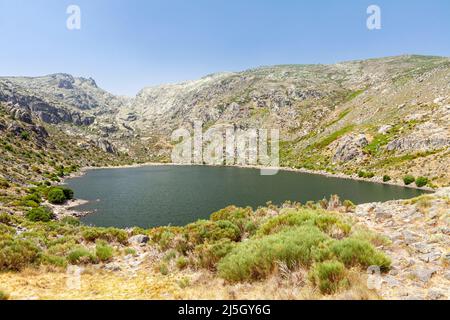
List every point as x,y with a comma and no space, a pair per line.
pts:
44,284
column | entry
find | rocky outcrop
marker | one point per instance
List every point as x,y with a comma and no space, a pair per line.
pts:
426,137
106,146
350,148
420,238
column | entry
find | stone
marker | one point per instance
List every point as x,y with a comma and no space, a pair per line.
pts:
113,266
421,247
384,129
382,213
350,147
138,239
410,237
423,274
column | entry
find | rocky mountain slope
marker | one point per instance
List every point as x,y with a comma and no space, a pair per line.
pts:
386,116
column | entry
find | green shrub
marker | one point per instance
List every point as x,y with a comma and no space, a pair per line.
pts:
4,183
170,255
356,252
238,216
408,179
256,258
329,276
68,193
24,135
349,205
164,268
421,182
39,214
204,230
364,174
209,254
56,196
324,220
16,254
103,251
29,204
386,178
182,262
33,197
108,234
53,260
72,221
81,255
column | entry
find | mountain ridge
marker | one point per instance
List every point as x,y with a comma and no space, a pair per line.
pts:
322,111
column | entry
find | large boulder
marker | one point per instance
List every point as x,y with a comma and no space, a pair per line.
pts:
350,148
106,146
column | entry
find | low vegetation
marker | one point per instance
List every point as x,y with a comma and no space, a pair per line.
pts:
242,245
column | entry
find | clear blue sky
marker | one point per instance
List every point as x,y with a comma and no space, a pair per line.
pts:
128,44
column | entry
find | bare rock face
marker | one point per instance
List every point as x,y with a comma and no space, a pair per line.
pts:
426,137
106,146
350,147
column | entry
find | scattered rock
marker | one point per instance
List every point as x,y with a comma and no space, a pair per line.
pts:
139,239
423,274
384,129
113,266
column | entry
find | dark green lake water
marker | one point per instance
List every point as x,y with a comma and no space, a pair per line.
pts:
177,195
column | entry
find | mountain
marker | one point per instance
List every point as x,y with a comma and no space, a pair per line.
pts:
387,116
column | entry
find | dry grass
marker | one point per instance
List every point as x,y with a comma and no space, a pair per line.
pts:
47,284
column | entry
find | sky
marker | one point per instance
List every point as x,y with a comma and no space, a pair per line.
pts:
126,45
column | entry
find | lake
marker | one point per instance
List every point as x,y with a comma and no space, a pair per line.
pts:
152,196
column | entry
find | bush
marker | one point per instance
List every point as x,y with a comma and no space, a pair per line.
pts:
4,183
68,193
81,255
349,205
204,230
256,258
108,234
208,255
17,254
329,276
364,174
325,221
408,179
72,221
24,135
238,216
386,178
421,182
164,268
182,262
53,260
39,214
32,197
56,196
355,252
103,251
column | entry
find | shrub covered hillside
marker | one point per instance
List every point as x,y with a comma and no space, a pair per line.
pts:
237,245
32,152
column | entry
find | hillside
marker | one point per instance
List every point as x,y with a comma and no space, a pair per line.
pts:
386,116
